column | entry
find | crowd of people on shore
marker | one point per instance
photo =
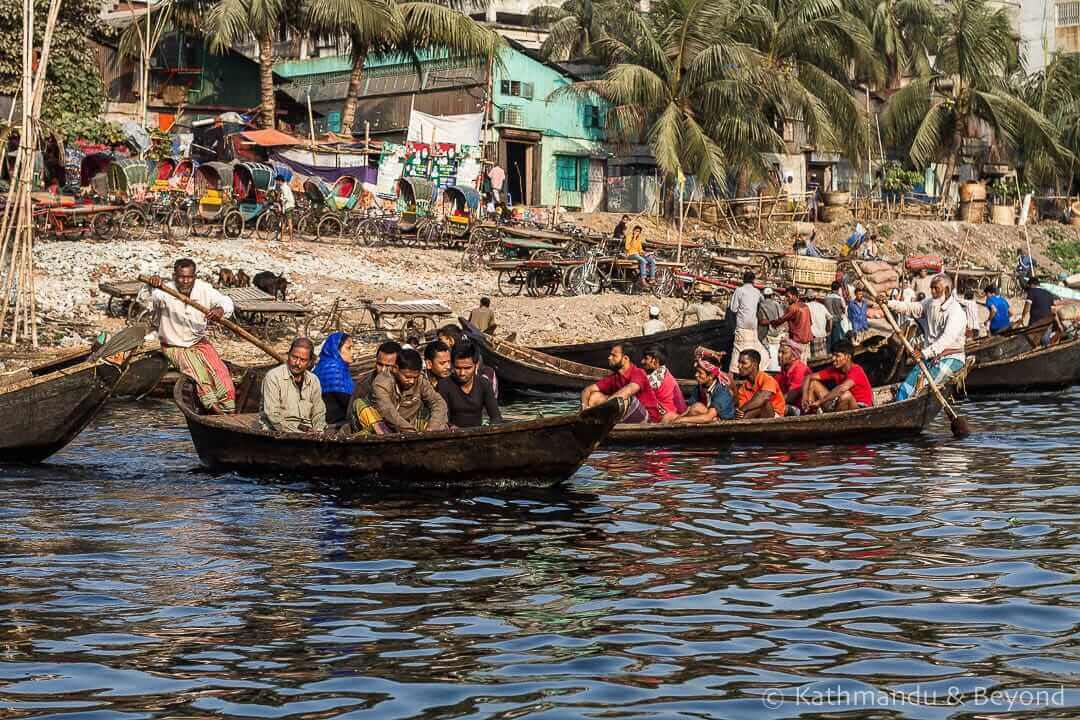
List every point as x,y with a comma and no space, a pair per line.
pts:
447,385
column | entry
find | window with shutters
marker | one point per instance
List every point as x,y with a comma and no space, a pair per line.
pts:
1068,14
593,118
516,88
572,173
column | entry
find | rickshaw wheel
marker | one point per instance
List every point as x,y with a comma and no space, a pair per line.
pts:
232,225
508,287
178,226
134,224
543,282
269,226
103,226
307,225
329,227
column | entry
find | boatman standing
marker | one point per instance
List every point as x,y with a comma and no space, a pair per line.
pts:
946,325
182,331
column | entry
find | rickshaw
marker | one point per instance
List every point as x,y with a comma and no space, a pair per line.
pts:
162,173
94,172
413,204
463,211
331,215
129,180
182,175
252,186
213,193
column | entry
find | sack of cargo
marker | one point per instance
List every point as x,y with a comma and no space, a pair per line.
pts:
874,313
872,266
931,263
884,276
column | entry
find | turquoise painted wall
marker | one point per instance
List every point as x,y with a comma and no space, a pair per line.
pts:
561,119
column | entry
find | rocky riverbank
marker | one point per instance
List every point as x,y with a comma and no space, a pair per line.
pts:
72,308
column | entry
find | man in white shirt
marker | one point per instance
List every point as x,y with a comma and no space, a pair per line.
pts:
654,324
288,203
946,324
703,310
744,303
182,331
820,326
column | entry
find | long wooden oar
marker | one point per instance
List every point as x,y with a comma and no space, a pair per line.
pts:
228,324
959,423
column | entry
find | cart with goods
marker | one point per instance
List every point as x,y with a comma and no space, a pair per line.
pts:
255,203
803,271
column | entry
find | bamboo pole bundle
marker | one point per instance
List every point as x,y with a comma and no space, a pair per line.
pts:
16,226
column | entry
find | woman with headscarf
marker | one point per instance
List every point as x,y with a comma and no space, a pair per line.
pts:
334,376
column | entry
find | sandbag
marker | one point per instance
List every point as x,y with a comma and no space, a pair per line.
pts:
884,276
872,266
931,263
874,313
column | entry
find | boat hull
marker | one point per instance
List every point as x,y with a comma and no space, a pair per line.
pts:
892,420
537,453
679,345
1043,369
144,372
40,416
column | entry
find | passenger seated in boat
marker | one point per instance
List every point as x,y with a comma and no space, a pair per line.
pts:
405,399
669,397
452,335
757,394
844,386
291,395
385,359
437,361
793,372
468,395
335,377
714,400
627,381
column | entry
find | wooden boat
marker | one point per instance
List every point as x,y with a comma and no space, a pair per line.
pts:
522,369
679,345
1041,369
40,414
885,420
537,453
146,369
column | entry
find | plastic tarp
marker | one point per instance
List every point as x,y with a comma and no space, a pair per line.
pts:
324,172
269,138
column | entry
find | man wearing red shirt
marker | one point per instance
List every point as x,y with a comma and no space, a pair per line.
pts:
626,381
850,388
793,372
798,318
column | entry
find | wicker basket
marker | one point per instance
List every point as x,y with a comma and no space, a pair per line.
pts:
812,272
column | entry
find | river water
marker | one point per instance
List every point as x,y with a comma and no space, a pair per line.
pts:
926,579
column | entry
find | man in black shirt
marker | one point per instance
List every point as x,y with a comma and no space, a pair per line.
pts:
1042,302
468,394
620,230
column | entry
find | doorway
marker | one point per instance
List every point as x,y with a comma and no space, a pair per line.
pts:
517,172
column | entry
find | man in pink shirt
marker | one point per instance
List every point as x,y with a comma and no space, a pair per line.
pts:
628,381
669,397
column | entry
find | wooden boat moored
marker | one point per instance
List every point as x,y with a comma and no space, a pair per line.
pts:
679,345
145,370
537,453
1041,369
39,415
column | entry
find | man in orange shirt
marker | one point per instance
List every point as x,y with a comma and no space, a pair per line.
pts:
757,394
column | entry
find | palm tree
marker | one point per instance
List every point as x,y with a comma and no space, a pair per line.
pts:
966,93
808,49
669,84
233,20
904,34
573,27
1054,92
403,28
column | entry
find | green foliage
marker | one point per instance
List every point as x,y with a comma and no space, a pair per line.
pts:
897,179
885,231
1066,253
74,96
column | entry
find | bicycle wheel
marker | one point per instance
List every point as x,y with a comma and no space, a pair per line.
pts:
543,282
232,225
134,225
178,225
103,226
330,227
510,283
269,226
664,283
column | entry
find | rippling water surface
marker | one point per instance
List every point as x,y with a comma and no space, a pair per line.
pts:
924,579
